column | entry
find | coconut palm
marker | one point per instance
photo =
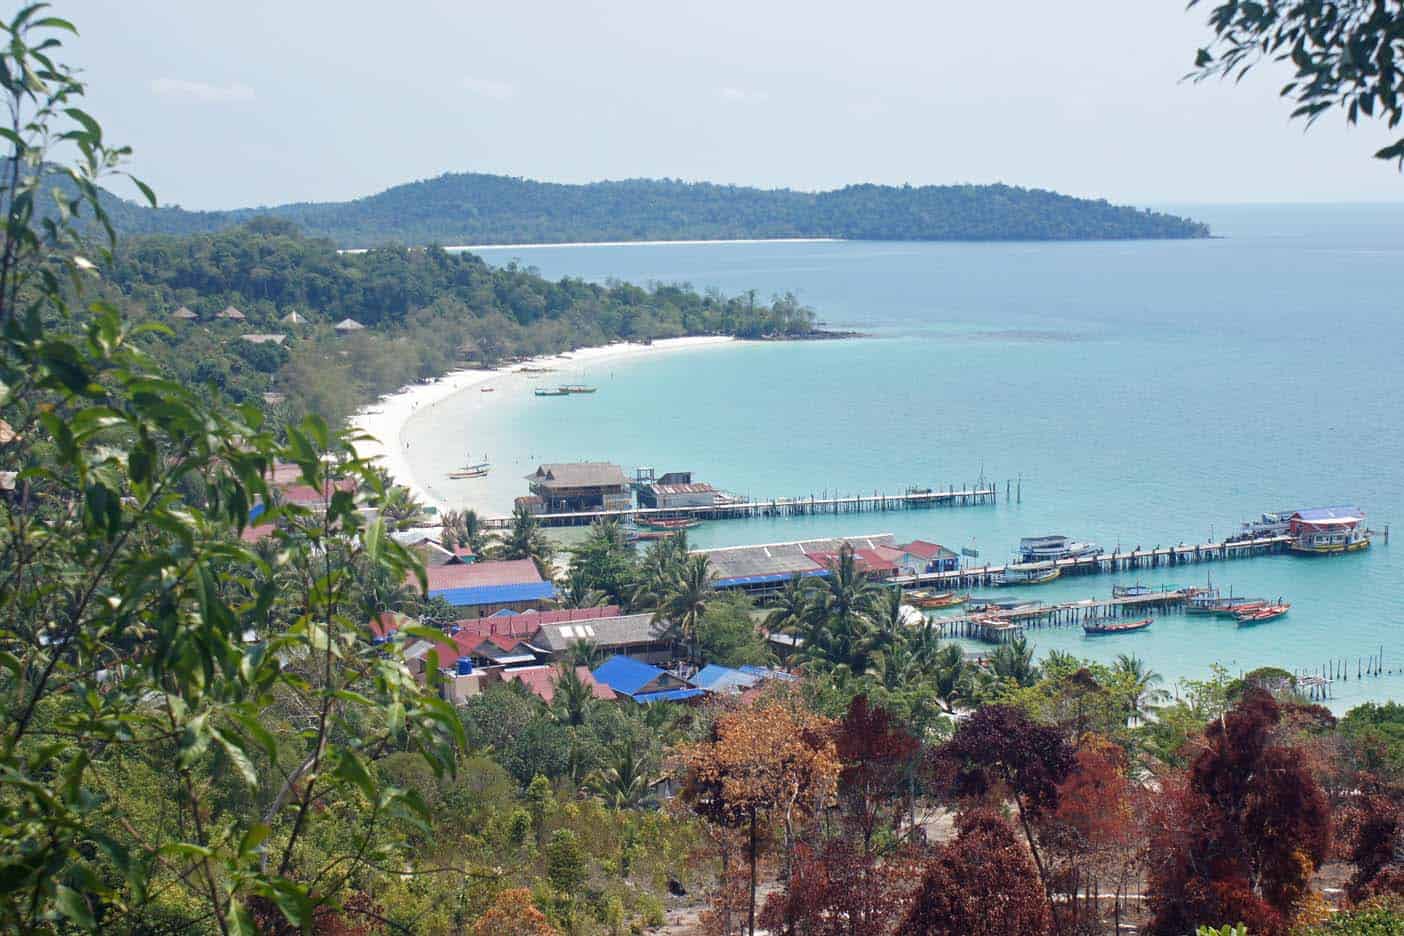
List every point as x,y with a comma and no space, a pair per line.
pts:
401,509
573,700
686,599
951,677
525,539
577,593
626,779
847,601
464,528
793,607
1138,685
660,566
582,653
1014,661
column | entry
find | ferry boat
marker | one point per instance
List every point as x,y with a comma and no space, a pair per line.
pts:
549,391
1127,627
1053,547
929,600
1030,573
1258,616
1322,531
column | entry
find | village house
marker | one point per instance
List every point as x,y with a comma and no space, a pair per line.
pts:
766,568
479,589
673,490
643,683
633,635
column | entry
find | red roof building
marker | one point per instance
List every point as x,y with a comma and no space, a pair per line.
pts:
541,680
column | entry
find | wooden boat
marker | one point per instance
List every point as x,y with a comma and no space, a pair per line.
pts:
1131,591
547,391
1259,616
474,470
577,388
1098,630
672,524
1209,601
1030,573
1348,543
1243,607
648,536
929,600
487,389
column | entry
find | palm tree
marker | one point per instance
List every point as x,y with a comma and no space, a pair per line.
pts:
582,653
847,600
951,677
1139,685
525,540
688,593
625,781
1014,661
661,565
577,593
793,608
464,528
401,510
573,700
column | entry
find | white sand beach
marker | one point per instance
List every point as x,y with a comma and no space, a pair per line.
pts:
385,419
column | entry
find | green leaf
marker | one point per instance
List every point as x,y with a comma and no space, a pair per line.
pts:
238,920
253,838
350,769
72,905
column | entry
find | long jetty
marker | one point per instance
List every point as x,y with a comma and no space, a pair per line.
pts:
1003,626
741,508
1158,557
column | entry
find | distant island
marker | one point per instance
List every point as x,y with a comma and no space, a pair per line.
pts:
475,208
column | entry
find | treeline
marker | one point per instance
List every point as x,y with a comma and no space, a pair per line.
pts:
475,208
425,311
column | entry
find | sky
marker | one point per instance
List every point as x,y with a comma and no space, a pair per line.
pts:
256,103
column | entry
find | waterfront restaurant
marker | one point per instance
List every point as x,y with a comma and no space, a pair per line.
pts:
575,487
1328,530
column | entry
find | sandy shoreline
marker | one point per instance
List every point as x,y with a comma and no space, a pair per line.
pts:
647,243
385,419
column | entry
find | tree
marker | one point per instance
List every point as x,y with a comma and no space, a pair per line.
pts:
402,510
1240,836
981,884
999,752
464,529
572,699
768,762
1014,662
525,540
126,595
1138,685
842,632
1346,54
686,600
727,634
876,753
601,565
514,914
625,780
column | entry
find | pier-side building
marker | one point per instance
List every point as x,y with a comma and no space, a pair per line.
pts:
574,487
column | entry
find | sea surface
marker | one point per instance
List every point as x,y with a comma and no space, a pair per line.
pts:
1135,393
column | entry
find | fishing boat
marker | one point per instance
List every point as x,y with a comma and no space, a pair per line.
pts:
1260,615
1126,627
929,600
549,391
1053,547
474,470
672,524
1241,607
576,388
648,536
1001,604
1131,591
1029,573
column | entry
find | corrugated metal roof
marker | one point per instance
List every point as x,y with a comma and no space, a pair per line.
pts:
626,675
716,678
669,695
739,580
735,562
620,631
495,594
1316,514
926,550
480,574
699,487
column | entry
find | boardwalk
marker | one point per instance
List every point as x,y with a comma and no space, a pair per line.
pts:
1003,626
778,507
1160,557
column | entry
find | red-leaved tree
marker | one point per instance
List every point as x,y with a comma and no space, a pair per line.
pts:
1239,836
980,884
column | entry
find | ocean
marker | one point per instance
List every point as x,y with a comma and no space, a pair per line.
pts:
1138,393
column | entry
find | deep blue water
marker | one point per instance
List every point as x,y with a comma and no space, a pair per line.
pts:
1147,393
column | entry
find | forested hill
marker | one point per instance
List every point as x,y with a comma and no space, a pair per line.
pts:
472,208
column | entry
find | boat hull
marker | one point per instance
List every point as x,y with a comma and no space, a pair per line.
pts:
1329,548
1107,630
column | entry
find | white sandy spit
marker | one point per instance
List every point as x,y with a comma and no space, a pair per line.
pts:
385,419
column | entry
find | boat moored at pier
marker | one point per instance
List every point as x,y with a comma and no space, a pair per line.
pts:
1054,547
1029,573
1103,628
1322,531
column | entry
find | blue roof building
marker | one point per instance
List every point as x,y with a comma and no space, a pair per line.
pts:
642,682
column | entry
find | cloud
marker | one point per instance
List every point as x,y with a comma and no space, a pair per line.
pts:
742,95
489,88
202,91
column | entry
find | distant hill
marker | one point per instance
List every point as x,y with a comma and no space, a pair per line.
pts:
473,208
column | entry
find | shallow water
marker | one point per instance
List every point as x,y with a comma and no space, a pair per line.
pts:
1147,394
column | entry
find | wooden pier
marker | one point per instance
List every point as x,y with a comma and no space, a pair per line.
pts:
777,507
1159,557
1004,626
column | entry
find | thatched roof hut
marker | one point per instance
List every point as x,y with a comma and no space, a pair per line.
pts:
184,314
347,325
232,314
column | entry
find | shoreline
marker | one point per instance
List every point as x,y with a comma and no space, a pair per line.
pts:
459,248
385,419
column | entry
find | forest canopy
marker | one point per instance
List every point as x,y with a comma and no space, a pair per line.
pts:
476,208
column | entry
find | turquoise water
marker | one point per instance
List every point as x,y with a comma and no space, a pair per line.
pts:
1147,394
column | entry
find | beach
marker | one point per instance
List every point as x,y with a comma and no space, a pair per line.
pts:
384,420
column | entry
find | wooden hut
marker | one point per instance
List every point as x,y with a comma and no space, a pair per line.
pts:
347,325
184,314
231,314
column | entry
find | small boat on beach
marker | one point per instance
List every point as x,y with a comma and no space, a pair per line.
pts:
549,391
1261,615
1126,627
1029,573
928,600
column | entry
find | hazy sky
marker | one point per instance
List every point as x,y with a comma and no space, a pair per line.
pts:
235,104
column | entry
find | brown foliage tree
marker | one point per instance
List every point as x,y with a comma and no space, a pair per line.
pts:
837,890
1377,849
771,762
514,914
1240,836
981,884
876,753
